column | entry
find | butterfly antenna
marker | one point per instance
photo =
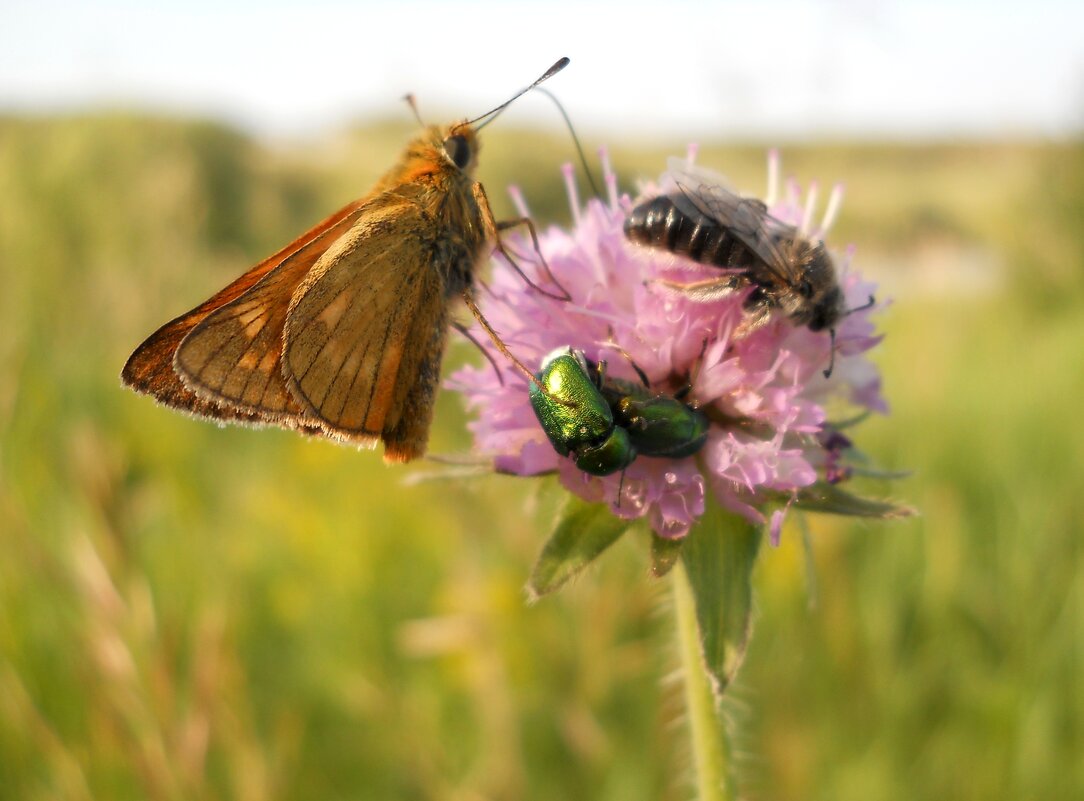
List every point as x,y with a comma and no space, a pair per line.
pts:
494,113
410,101
575,140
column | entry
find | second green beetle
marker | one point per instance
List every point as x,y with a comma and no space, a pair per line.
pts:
604,423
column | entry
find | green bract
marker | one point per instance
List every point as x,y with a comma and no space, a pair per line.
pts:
605,423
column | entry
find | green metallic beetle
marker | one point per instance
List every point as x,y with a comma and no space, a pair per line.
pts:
604,422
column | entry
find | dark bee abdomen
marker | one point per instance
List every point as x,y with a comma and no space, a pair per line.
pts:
659,223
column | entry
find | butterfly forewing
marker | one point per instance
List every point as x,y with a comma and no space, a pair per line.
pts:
150,368
234,355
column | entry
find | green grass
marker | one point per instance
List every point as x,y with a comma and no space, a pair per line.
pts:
195,612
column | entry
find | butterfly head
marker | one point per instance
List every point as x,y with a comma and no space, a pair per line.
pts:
460,146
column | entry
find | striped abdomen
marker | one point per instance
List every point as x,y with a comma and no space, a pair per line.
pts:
659,223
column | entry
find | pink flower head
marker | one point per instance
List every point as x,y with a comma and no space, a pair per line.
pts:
762,388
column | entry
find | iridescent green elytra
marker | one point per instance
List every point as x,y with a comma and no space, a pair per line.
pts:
658,425
605,423
583,424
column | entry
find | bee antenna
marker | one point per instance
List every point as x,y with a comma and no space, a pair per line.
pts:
869,303
831,353
409,98
494,113
832,332
575,140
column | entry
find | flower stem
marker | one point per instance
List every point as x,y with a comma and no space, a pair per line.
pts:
711,750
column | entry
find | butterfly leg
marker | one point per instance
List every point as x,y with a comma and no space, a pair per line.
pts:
462,329
468,298
505,225
494,229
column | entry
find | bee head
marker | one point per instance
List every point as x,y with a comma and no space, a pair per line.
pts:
826,310
821,300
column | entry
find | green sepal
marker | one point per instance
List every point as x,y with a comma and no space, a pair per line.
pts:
584,530
664,554
829,498
719,555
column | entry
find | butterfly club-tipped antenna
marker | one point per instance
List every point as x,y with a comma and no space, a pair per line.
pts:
575,141
487,118
492,114
467,295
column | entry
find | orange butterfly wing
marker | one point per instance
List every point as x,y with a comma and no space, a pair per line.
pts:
150,368
365,332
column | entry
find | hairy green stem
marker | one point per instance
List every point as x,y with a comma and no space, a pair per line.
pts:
711,749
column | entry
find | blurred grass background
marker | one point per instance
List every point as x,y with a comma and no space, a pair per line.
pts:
195,612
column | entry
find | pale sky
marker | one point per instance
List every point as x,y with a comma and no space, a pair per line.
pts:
669,68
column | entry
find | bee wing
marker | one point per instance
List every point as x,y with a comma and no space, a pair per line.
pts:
365,333
704,192
150,369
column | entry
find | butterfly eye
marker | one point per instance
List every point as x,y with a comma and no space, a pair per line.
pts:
805,289
458,150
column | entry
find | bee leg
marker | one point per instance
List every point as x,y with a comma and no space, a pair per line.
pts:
690,378
706,291
831,353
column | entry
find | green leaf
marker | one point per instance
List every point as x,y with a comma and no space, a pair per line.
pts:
664,554
824,497
719,555
883,475
583,532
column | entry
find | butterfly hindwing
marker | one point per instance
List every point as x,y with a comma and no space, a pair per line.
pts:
366,329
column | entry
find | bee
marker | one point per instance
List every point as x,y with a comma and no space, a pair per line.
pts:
340,334
705,221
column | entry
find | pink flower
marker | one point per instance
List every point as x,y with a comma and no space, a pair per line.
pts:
762,389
